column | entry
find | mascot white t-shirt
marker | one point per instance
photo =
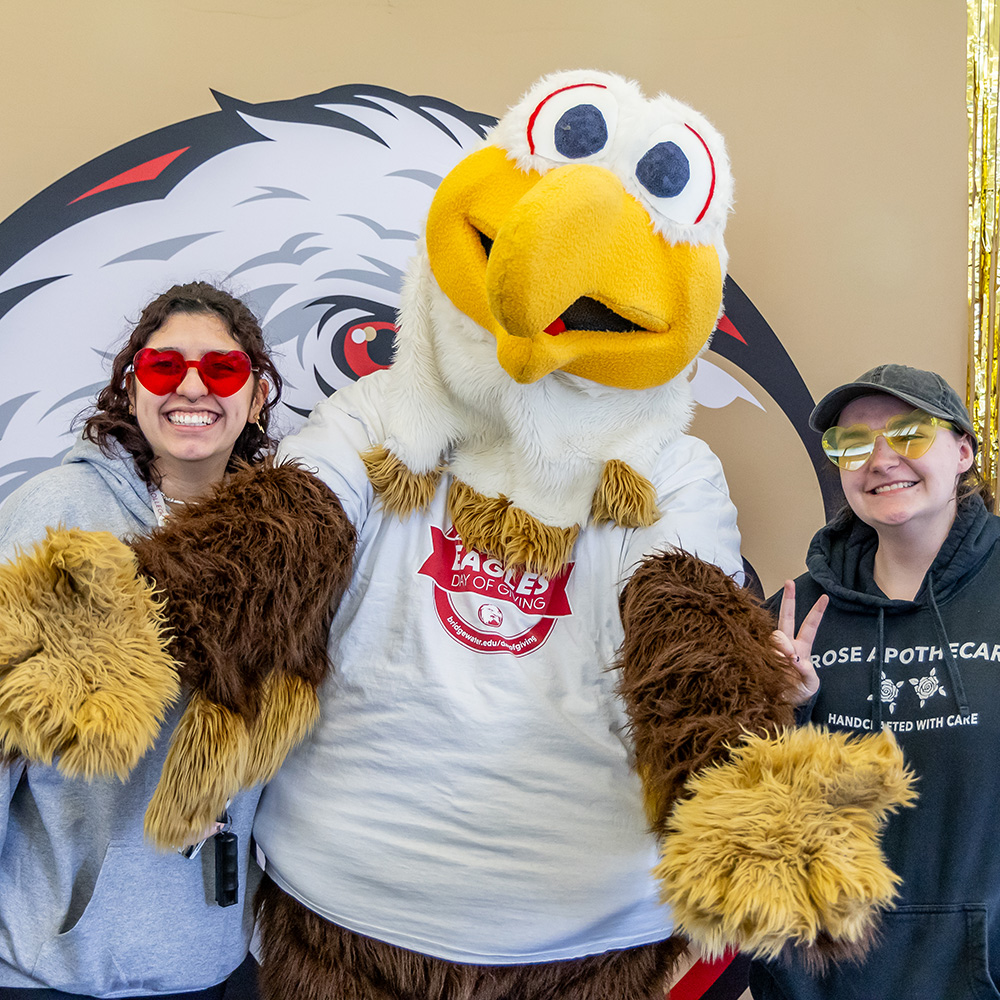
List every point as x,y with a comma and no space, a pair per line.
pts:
508,824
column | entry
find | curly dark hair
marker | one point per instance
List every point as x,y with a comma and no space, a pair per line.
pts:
111,422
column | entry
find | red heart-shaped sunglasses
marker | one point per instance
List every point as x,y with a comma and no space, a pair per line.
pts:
161,372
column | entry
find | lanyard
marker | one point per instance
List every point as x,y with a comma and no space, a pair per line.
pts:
160,508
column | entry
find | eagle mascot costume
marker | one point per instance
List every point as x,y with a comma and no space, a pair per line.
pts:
476,624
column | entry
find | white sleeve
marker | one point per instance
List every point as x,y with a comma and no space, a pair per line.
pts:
697,514
330,444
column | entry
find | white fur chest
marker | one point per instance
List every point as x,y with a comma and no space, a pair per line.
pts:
542,445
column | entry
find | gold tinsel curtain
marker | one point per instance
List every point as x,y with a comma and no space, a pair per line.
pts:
984,238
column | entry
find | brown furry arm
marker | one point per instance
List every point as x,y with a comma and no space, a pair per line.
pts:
770,835
252,577
698,670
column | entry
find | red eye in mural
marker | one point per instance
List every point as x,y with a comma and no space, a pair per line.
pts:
361,332
361,350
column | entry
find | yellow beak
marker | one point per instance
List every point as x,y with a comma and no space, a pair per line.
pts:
565,270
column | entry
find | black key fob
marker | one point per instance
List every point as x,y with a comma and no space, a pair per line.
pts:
227,868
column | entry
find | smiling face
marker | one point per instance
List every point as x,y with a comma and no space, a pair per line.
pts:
191,430
892,493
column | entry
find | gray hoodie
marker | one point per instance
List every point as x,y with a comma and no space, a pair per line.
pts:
86,906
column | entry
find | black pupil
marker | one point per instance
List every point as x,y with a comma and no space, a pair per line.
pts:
664,170
581,131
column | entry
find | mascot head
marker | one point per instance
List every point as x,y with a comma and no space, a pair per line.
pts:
587,236
572,271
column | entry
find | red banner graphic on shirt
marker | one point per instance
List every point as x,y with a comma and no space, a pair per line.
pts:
488,608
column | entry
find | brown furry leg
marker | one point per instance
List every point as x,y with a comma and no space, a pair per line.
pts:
478,519
307,958
624,497
301,954
401,490
640,973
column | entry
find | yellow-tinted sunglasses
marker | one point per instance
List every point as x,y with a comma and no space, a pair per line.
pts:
909,435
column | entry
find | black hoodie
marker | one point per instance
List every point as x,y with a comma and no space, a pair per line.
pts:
929,670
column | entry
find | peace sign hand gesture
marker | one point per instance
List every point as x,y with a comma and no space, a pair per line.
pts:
798,650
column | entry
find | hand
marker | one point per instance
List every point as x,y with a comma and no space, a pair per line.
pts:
84,675
781,844
798,651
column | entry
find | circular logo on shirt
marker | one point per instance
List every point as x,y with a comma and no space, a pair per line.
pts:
490,615
520,610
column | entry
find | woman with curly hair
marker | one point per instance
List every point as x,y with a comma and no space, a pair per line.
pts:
87,908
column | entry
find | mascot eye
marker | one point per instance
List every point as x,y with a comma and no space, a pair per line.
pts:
573,122
679,172
581,131
364,334
664,171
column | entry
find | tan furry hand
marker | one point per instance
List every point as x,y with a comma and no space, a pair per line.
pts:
214,754
781,844
83,672
204,768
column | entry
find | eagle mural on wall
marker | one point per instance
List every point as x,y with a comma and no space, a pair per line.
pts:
308,209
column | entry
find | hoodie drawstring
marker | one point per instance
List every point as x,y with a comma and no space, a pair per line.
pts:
876,678
953,673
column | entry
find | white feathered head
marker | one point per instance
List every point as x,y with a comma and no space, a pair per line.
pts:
587,235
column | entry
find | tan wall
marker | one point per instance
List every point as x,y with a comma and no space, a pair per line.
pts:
845,121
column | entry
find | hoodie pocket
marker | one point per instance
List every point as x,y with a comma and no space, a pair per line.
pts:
148,927
86,956
923,953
